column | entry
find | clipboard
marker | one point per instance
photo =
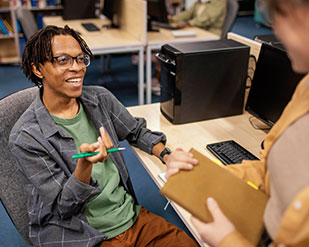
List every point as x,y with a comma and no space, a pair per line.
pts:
241,203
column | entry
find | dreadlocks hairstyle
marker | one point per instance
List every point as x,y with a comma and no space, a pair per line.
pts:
38,49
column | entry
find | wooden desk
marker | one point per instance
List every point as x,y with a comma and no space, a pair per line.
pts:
156,39
196,135
107,41
255,46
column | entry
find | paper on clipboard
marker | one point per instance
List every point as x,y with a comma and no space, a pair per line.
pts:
162,176
241,203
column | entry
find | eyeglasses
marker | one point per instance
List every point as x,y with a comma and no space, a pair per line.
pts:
66,61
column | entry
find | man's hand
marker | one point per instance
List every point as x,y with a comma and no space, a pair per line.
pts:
84,165
179,160
213,232
181,24
104,142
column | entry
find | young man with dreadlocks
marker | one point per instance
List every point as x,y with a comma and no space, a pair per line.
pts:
89,201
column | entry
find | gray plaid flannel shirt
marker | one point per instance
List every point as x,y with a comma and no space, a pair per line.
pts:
44,156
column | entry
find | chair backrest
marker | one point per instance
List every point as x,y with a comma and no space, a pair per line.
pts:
12,194
27,21
231,13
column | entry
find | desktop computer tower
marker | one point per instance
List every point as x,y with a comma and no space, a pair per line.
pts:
203,80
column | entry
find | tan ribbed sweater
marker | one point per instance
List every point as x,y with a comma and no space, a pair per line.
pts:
289,192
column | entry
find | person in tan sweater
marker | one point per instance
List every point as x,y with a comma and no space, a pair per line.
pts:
207,14
283,171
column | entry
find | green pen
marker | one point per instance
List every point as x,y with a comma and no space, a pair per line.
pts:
86,154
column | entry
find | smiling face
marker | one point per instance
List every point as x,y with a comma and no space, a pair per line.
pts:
292,28
62,85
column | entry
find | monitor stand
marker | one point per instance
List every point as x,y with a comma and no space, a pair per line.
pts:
150,28
110,26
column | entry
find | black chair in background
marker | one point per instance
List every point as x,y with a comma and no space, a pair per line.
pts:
231,13
27,21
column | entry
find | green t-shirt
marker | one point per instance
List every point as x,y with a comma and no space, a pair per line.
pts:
113,211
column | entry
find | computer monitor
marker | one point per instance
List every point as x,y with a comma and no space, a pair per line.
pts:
109,11
156,11
273,84
78,9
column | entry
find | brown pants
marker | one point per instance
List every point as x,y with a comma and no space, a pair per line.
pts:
151,230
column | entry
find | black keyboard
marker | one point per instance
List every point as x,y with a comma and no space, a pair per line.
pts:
90,27
230,152
164,25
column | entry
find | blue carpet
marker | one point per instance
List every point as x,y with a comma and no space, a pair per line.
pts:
12,80
8,234
247,27
121,80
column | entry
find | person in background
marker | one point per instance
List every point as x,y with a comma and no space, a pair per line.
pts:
89,201
283,171
206,14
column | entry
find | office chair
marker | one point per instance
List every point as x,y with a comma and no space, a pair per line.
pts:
27,21
231,13
12,194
